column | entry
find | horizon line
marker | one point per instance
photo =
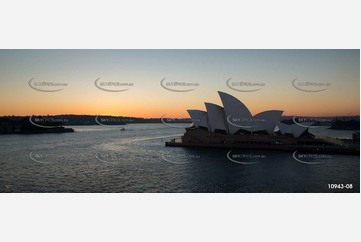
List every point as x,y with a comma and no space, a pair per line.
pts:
335,116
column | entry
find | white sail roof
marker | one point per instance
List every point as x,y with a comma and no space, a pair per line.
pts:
267,120
216,117
199,117
237,114
294,129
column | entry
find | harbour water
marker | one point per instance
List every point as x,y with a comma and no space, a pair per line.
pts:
105,159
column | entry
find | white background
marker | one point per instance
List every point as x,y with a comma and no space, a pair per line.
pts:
180,24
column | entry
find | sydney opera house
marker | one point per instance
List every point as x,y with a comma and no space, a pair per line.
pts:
234,126
235,118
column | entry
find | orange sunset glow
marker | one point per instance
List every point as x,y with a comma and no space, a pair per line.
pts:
209,69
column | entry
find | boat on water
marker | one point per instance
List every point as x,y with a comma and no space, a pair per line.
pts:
234,127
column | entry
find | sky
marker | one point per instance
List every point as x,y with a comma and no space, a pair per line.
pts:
209,69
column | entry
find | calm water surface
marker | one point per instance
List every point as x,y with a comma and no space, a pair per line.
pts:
101,159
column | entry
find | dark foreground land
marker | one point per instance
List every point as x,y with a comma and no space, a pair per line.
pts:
24,126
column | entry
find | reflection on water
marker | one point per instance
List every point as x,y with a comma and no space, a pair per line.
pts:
98,159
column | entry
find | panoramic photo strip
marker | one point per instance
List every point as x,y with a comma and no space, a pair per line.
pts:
180,121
